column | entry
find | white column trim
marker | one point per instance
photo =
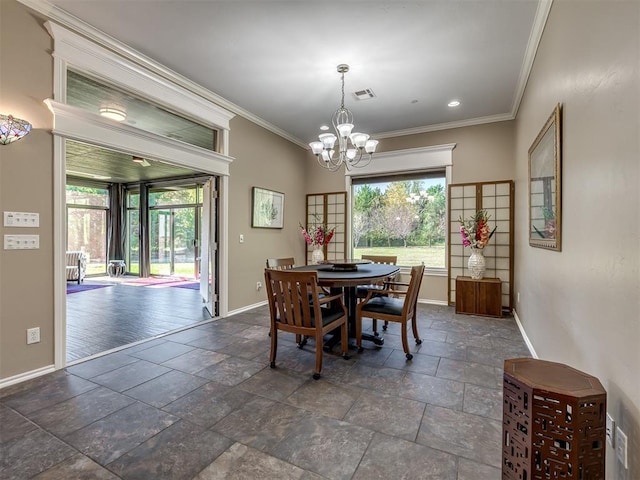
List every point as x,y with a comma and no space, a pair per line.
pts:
408,160
59,249
78,124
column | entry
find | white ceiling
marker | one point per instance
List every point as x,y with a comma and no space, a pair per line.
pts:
277,59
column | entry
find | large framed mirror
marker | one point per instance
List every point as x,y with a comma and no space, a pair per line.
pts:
545,182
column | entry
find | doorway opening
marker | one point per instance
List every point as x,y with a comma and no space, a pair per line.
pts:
152,228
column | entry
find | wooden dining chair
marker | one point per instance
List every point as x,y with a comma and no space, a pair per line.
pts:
363,290
380,305
281,263
296,307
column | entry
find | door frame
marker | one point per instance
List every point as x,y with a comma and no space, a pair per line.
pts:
135,74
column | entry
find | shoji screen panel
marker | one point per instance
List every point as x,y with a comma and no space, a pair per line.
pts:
329,209
497,198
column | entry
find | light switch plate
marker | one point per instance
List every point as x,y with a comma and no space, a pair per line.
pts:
611,430
621,447
21,242
21,219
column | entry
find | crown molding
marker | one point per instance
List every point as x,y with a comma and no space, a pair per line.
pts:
542,14
446,126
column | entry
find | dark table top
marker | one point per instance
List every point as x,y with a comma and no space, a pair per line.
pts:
364,274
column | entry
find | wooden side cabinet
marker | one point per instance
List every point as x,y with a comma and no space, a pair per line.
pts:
479,297
553,422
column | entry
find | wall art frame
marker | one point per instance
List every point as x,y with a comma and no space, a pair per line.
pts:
267,208
545,185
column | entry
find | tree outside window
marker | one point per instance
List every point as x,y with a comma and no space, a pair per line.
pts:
406,218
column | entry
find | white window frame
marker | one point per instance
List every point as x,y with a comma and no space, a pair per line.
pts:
405,161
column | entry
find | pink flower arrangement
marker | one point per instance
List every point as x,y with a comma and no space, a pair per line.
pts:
475,231
320,235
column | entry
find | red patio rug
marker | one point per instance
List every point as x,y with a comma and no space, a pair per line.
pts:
157,281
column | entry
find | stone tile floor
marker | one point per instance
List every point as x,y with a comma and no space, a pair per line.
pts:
204,404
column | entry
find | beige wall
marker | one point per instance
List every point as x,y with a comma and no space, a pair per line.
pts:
26,276
262,159
580,306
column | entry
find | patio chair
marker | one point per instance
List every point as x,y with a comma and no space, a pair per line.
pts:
296,307
380,305
76,266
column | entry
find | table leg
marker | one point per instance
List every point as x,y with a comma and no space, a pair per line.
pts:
350,300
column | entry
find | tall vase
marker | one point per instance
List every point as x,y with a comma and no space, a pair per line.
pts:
476,264
318,255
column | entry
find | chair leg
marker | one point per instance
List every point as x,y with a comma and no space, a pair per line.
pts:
405,343
414,326
344,340
359,334
386,324
274,347
316,374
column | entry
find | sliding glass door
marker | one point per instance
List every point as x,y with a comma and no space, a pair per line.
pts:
172,235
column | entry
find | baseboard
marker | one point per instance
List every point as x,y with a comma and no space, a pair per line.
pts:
246,308
524,335
432,302
22,377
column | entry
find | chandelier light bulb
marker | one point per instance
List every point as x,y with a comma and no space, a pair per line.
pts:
345,129
370,146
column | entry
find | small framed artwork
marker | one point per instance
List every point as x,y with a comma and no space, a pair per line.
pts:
545,183
268,208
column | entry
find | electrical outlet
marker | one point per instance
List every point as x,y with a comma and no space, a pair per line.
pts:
611,428
518,297
621,447
258,285
33,335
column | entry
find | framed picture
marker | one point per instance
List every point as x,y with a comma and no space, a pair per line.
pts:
545,184
268,208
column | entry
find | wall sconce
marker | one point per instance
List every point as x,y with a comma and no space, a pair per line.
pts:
12,129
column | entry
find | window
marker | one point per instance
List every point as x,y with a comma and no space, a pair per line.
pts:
87,210
92,95
402,215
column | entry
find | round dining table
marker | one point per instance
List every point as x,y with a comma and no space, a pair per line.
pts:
346,275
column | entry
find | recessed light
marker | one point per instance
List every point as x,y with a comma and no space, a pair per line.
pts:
453,103
114,113
324,128
88,175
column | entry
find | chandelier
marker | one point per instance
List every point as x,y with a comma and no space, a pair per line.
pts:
354,149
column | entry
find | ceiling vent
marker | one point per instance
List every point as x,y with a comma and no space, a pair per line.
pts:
365,94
